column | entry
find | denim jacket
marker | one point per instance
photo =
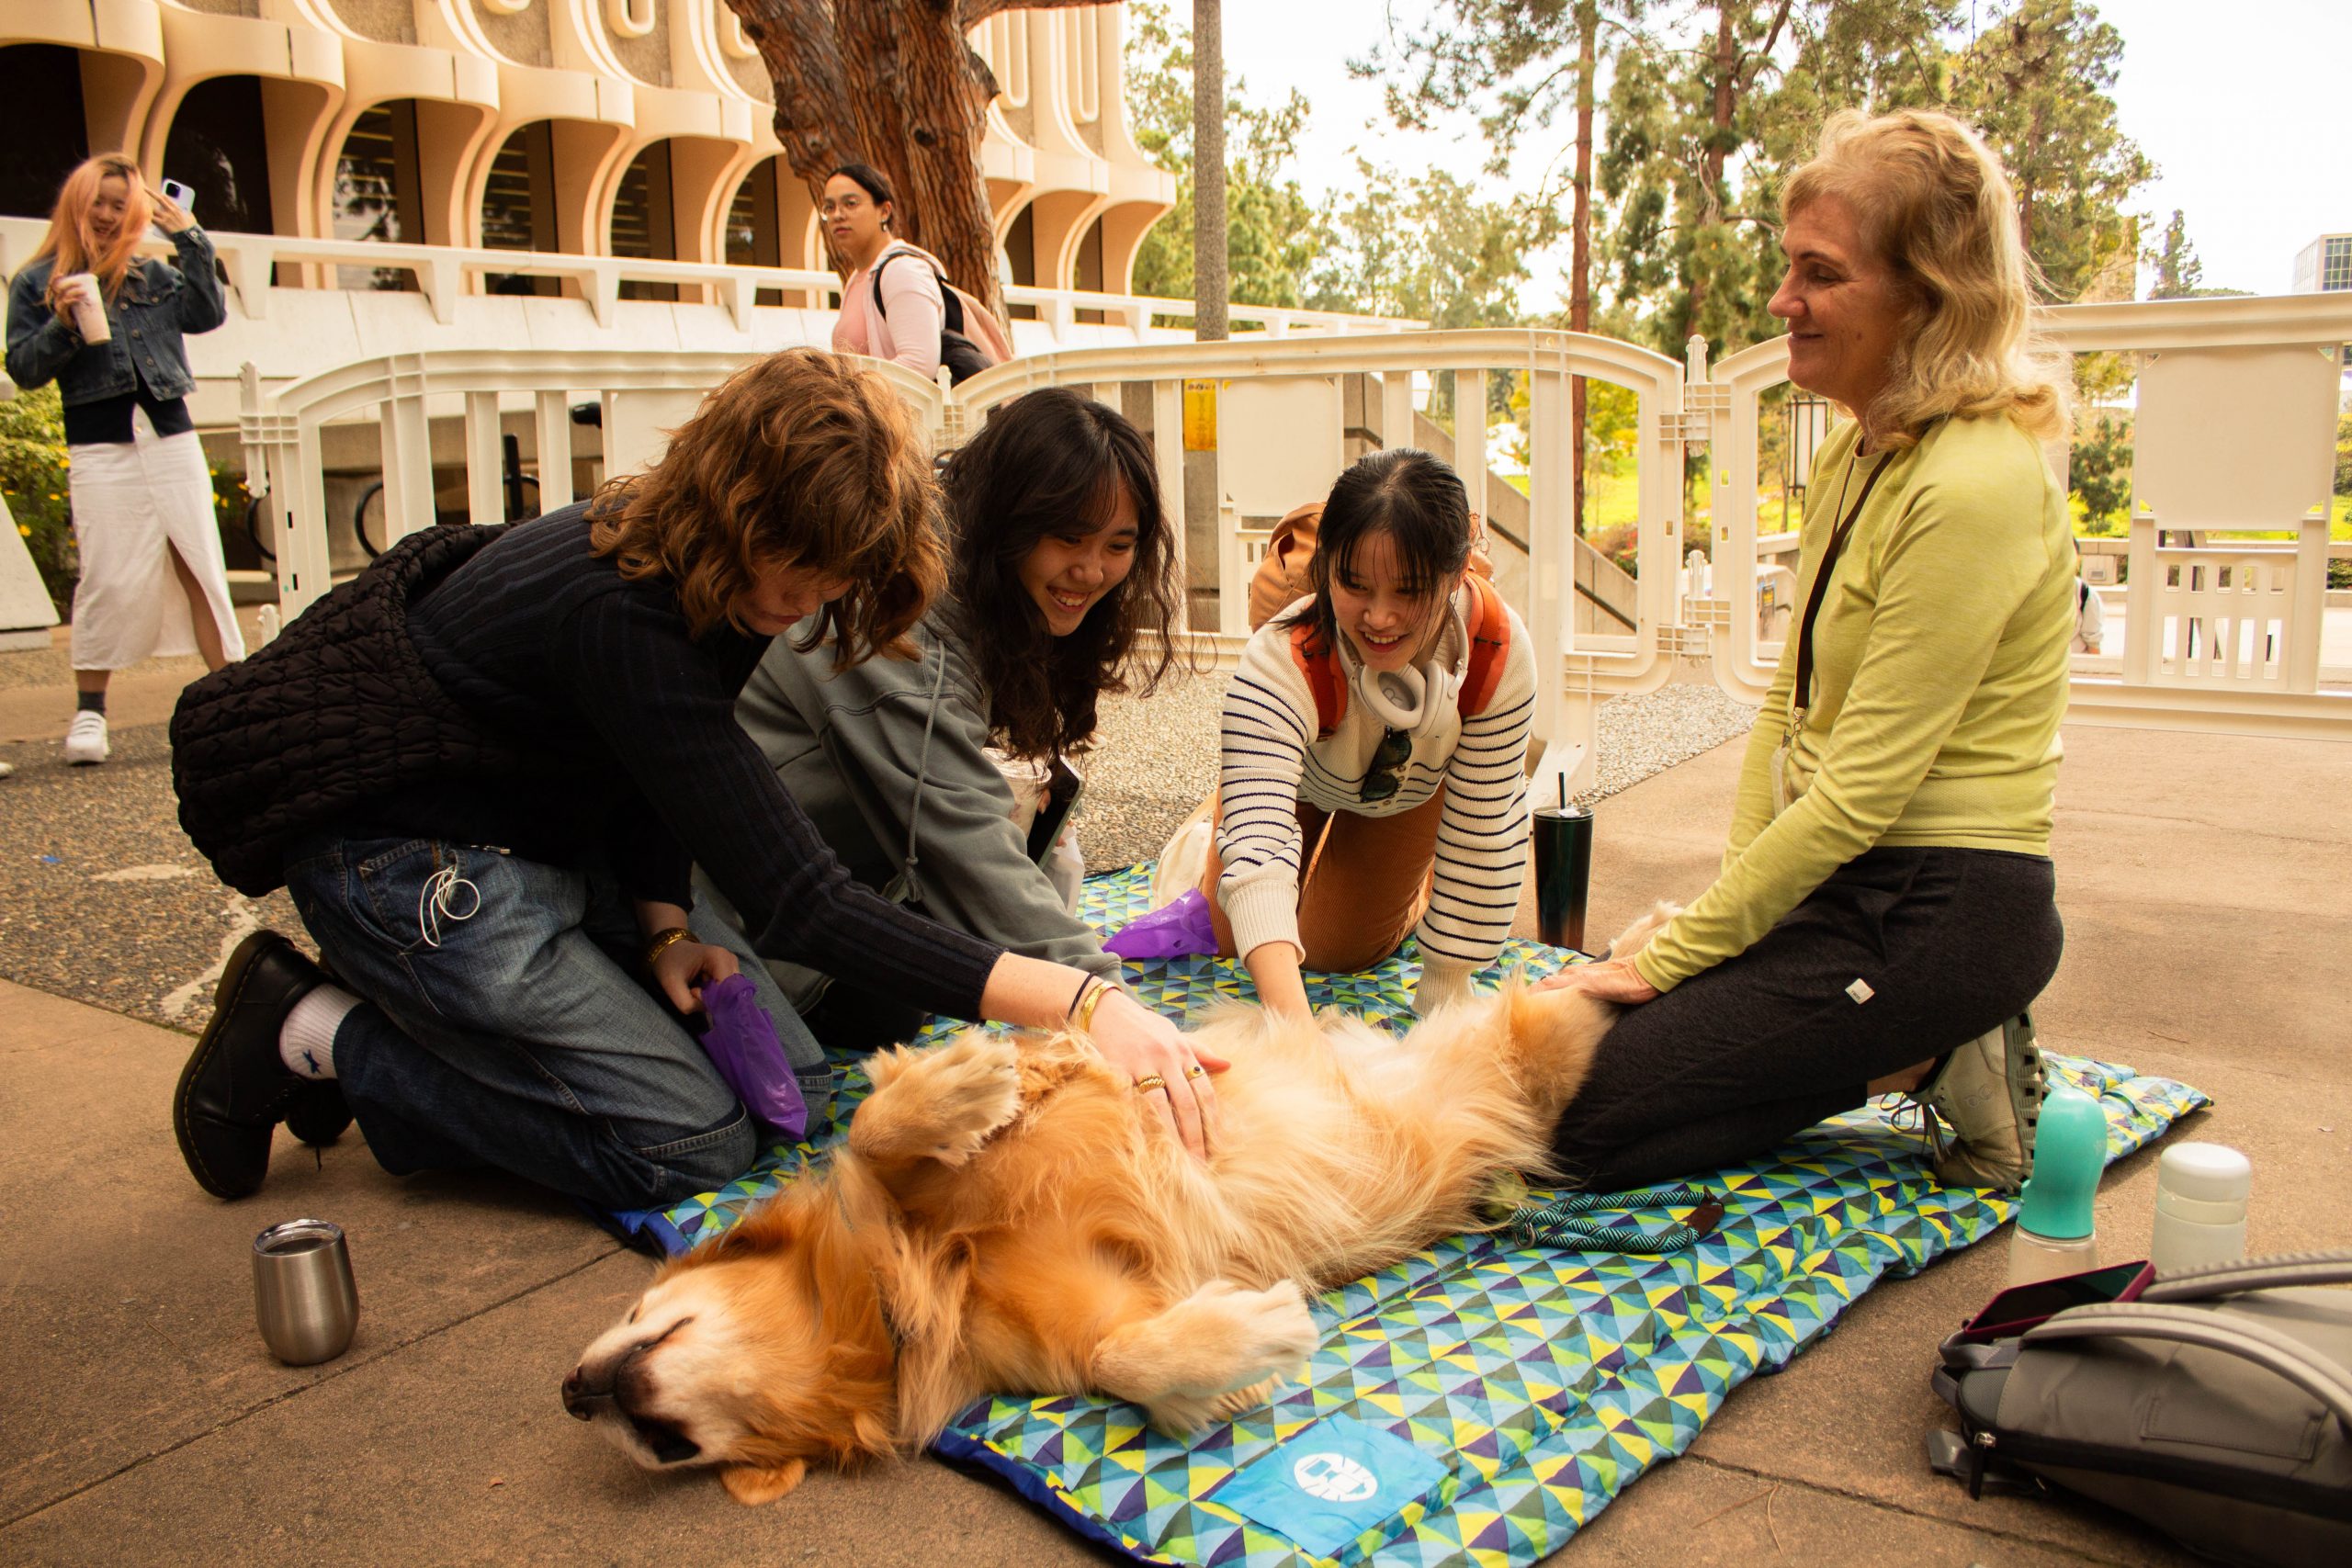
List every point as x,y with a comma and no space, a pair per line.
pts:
157,304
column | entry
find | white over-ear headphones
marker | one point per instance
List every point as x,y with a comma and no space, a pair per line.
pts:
1413,699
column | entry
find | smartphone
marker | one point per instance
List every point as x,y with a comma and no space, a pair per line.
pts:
1062,786
2021,1307
179,194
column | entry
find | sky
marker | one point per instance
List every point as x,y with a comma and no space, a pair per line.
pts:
2240,106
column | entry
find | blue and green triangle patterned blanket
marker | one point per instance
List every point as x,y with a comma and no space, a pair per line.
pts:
1480,1402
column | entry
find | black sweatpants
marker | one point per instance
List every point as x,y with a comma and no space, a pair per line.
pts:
1949,943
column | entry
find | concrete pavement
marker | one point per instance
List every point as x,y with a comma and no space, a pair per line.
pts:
2203,882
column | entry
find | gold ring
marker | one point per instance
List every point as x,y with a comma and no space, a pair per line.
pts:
1148,1082
1196,1070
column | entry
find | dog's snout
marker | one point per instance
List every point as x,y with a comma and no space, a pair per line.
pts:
588,1388
580,1400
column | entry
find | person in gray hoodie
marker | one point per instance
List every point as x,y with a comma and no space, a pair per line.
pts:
1061,589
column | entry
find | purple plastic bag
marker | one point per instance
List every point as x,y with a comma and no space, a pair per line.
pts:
1178,930
741,1044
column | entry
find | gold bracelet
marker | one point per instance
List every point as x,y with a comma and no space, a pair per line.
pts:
1083,1017
661,941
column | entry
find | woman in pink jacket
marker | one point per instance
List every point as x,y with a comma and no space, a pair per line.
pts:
857,210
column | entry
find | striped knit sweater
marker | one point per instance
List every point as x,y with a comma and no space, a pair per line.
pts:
1272,760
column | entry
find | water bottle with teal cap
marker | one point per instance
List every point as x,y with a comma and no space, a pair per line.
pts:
2055,1222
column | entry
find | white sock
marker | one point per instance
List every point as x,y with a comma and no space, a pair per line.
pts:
306,1040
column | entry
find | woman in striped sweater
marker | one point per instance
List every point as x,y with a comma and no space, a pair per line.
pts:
1374,781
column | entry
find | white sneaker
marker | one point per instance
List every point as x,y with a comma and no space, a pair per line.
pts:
85,739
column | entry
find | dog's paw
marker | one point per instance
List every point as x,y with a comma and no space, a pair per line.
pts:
1241,1401
1267,1334
971,1089
1182,1414
1282,1331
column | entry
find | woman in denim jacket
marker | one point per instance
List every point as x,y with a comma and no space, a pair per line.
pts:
140,492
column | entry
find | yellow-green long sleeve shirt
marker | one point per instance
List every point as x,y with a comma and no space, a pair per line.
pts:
1940,670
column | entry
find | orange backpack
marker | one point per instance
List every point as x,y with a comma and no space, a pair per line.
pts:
1281,579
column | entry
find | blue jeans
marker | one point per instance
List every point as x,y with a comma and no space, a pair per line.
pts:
503,1023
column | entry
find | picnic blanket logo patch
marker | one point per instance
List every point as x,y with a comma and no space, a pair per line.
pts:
1330,1483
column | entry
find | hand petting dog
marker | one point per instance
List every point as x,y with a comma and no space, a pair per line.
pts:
1612,980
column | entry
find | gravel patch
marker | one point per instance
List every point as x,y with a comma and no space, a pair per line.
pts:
1157,755
1639,736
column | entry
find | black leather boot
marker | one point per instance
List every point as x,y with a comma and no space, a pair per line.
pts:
235,1088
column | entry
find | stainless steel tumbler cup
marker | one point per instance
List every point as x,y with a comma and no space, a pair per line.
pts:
1563,873
303,1293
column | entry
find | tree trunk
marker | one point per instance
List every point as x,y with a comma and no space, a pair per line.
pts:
1209,276
893,84
1581,267
1711,163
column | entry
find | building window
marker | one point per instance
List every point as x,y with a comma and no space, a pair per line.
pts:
1020,250
2336,263
643,227
219,147
754,237
1088,278
41,84
518,205
379,199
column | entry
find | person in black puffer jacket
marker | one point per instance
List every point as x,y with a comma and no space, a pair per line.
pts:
485,769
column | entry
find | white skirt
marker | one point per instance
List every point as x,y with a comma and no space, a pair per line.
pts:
133,501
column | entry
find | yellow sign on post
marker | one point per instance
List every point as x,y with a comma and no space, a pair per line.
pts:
1200,416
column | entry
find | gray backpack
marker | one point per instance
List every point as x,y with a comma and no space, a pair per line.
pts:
2217,1407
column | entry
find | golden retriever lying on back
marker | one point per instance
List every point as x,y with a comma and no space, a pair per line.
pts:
1004,1218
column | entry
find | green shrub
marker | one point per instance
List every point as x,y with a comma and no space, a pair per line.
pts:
32,477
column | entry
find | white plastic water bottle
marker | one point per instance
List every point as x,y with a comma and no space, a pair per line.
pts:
2200,1207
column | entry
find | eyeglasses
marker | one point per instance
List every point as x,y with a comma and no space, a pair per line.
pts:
1380,780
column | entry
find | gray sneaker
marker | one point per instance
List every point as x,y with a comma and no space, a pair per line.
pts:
1986,1096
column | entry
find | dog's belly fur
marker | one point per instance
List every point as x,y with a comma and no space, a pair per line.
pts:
1342,1149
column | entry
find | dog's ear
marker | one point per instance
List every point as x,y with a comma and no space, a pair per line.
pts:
754,1484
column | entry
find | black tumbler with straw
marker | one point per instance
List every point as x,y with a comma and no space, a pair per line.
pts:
1563,871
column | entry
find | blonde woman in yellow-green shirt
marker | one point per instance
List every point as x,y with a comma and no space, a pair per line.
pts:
1886,908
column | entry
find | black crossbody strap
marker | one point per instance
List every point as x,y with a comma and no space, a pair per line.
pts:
951,310
1802,697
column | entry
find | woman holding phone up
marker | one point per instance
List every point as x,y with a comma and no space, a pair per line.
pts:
107,325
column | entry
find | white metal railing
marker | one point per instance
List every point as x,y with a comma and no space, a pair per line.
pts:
282,429
2175,671
2227,615
446,274
2194,655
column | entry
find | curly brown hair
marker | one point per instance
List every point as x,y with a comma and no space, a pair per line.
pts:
798,459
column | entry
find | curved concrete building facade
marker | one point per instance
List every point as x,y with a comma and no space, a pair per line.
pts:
591,128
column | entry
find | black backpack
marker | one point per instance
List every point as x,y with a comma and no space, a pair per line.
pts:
965,354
